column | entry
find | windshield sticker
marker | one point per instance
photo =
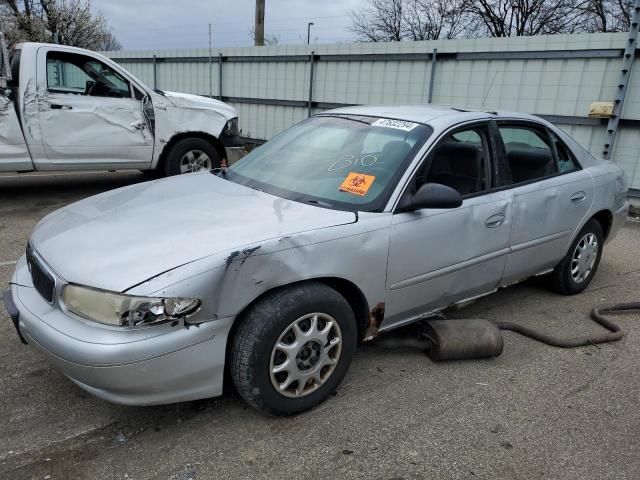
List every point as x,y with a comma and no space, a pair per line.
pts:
357,183
397,124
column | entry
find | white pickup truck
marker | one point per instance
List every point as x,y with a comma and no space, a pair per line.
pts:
65,108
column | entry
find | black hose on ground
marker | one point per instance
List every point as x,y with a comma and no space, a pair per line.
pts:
597,314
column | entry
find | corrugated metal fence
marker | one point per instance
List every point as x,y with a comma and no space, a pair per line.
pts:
274,87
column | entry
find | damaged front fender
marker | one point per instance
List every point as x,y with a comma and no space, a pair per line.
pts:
228,283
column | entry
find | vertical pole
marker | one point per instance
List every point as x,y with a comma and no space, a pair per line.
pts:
311,64
210,66
155,73
623,82
219,76
309,32
259,24
434,57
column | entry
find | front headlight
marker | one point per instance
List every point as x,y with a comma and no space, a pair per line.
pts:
112,308
231,128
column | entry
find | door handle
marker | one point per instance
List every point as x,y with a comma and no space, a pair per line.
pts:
138,125
494,220
57,106
578,197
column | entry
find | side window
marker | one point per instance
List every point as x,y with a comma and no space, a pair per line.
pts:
566,160
459,161
79,74
529,153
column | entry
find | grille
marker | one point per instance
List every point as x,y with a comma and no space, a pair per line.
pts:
42,280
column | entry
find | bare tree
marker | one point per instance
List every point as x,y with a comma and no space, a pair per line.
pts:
395,20
431,20
607,15
269,40
511,18
380,21
70,22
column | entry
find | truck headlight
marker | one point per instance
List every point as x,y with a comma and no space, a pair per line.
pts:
231,128
112,308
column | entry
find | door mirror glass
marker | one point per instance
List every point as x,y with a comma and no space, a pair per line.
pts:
436,195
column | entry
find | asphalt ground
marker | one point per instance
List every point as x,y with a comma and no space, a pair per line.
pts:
534,412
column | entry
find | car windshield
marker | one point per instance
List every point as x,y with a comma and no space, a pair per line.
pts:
344,162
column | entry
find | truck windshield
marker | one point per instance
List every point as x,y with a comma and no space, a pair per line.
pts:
345,162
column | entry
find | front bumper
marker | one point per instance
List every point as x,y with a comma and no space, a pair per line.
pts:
147,366
234,148
11,308
234,154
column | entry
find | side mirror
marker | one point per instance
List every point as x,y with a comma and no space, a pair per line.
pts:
436,195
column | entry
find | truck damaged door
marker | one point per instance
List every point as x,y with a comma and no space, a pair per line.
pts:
441,256
90,114
14,154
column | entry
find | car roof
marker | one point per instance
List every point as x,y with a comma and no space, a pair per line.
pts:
426,113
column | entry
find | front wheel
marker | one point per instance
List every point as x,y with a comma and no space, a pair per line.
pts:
574,273
191,155
292,348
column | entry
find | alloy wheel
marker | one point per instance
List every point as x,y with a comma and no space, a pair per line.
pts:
305,355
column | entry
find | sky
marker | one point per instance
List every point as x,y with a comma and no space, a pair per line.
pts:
168,24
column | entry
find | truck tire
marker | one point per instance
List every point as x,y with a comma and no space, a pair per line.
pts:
191,155
574,273
292,348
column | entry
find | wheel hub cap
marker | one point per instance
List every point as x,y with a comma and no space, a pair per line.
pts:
305,355
194,161
584,258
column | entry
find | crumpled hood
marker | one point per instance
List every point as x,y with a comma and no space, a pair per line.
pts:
197,101
120,238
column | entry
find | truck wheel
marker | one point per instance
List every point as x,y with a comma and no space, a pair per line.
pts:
191,155
574,273
292,348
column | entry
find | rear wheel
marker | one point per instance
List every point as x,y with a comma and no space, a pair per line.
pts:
574,273
191,155
292,348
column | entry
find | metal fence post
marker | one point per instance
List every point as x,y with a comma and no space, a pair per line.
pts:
623,82
219,76
155,73
210,66
311,64
434,57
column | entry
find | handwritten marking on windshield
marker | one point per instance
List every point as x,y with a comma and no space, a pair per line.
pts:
347,161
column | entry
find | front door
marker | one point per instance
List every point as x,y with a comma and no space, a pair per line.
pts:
438,257
90,115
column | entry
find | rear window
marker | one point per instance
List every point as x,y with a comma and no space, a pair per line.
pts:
529,153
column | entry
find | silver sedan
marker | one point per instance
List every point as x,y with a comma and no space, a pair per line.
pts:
351,223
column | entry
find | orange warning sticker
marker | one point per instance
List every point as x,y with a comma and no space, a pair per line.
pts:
357,183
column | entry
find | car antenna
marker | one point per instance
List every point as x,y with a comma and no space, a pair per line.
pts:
486,94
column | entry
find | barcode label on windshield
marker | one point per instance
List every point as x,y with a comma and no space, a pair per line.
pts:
397,124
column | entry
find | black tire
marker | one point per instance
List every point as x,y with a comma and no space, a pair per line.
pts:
561,280
182,147
262,326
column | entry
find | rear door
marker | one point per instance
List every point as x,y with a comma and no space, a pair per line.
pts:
90,114
439,256
551,196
